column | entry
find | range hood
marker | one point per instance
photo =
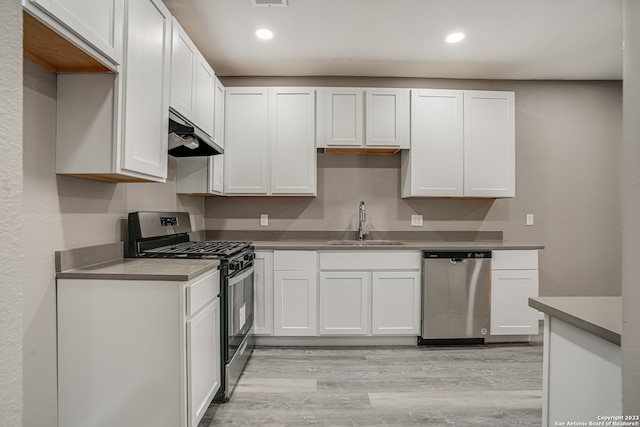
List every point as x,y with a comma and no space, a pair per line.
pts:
187,140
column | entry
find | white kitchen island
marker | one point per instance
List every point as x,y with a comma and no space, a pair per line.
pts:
582,380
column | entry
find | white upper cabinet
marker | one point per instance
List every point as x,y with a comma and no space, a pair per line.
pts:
245,160
96,27
205,94
434,165
292,141
113,127
218,113
184,58
387,118
340,118
363,118
269,141
192,81
489,144
462,145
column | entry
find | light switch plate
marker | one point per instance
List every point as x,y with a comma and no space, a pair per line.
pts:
529,219
264,220
416,220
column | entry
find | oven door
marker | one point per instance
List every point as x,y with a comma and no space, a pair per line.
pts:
239,309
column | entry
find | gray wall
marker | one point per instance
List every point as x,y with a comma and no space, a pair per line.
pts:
10,203
61,212
568,141
631,212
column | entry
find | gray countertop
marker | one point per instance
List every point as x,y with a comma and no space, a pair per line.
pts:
600,316
405,245
143,269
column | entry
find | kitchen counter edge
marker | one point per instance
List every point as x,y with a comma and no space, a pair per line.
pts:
405,246
599,316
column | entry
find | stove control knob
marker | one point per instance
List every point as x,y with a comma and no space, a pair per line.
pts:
250,256
235,266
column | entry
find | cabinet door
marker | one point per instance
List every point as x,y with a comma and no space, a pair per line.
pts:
294,303
343,117
489,144
387,118
216,174
99,22
218,113
263,301
292,141
204,94
396,303
510,293
344,303
146,83
436,156
203,360
183,71
245,160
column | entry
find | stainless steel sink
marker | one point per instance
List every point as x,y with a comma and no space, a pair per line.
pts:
365,242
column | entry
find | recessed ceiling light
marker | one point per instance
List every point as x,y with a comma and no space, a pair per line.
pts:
264,34
455,37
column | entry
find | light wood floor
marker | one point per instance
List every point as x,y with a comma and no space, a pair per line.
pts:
492,385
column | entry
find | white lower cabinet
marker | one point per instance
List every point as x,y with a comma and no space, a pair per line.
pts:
137,352
370,293
204,376
263,295
514,279
395,308
295,293
344,303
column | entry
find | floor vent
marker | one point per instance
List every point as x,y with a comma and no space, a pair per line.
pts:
269,3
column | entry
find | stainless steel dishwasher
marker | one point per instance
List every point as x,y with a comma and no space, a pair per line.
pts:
456,297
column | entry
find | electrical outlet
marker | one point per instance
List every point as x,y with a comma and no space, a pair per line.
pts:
416,220
264,220
529,219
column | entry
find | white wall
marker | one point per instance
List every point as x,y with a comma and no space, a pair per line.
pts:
61,212
10,204
631,212
568,141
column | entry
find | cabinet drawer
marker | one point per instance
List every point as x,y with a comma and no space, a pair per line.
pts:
370,260
202,291
514,260
294,260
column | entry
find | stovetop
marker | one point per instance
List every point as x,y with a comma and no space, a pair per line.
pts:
166,235
200,249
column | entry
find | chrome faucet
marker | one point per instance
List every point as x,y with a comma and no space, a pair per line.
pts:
362,222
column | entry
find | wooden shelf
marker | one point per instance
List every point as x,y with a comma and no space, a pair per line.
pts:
386,151
47,48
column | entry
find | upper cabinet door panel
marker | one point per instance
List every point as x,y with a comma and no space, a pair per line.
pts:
218,132
489,144
183,71
344,117
437,143
146,84
387,117
292,141
97,22
246,141
205,91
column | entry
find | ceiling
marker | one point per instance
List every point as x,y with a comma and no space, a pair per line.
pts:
505,39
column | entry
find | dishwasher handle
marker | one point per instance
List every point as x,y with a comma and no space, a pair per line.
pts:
456,256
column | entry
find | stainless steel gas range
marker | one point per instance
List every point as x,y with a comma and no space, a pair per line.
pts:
165,235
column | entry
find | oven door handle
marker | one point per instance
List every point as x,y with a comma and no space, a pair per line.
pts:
241,277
